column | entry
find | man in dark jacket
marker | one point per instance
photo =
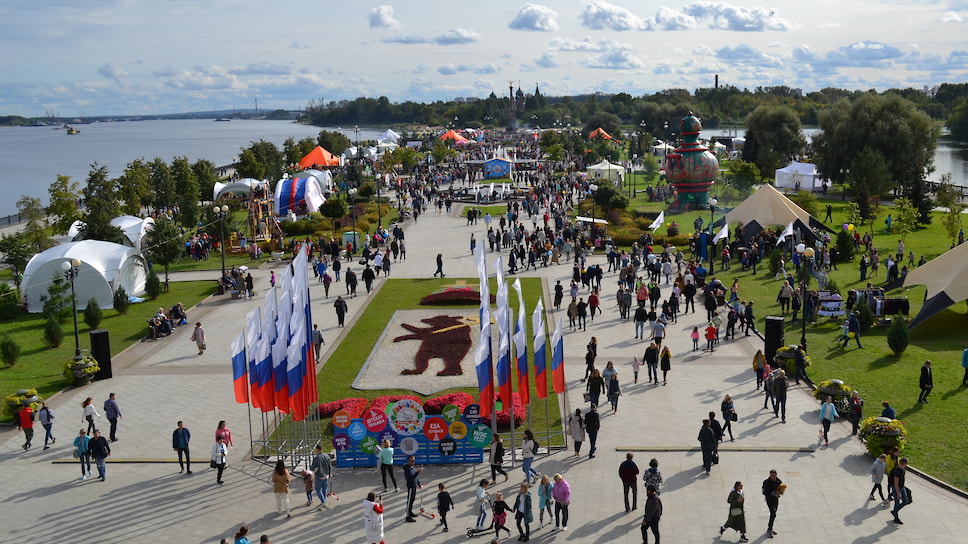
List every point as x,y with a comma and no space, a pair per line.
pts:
350,282
710,304
340,306
628,471
592,424
780,395
100,450
368,277
927,382
707,442
653,511
411,472
853,326
180,438
689,291
750,318
770,486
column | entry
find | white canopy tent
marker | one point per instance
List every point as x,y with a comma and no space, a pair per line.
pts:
606,170
134,229
323,178
245,185
390,135
805,173
104,267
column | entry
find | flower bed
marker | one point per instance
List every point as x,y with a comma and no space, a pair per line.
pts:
435,405
839,393
355,407
380,403
880,436
520,412
786,359
81,371
455,294
16,401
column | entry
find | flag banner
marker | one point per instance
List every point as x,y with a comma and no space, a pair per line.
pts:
504,362
253,325
558,359
240,376
521,351
788,231
499,272
540,358
658,221
264,380
280,381
294,381
270,309
485,371
723,233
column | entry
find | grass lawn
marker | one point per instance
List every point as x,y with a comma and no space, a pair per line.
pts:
42,368
938,438
214,262
345,362
6,274
495,211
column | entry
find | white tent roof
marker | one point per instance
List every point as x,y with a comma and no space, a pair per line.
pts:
387,144
244,185
134,229
104,266
390,135
805,172
323,178
292,193
605,166
767,206
945,273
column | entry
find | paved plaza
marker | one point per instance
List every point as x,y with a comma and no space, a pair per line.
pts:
146,499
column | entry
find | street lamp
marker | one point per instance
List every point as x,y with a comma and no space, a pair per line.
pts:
593,188
712,215
635,157
220,214
71,270
352,193
357,130
806,255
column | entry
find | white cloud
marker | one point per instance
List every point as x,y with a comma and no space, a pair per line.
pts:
670,19
548,60
262,68
568,44
703,51
406,39
829,25
299,45
535,17
951,17
199,78
114,73
615,60
746,55
600,15
382,17
457,36
725,16
451,69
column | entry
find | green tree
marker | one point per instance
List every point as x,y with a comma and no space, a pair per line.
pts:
807,201
63,195
35,228
441,152
334,208
406,157
852,212
100,207
249,166
205,175
743,175
92,313
57,301
271,159
165,243
845,245
603,195
334,142
958,121
869,174
53,333
609,122
898,335
290,151
905,216
152,285
773,138
16,252
9,350
162,185
134,187
121,302
949,197
186,187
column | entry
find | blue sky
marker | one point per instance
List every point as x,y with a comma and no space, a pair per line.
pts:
104,57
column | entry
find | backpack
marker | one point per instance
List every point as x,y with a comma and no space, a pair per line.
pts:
534,447
499,452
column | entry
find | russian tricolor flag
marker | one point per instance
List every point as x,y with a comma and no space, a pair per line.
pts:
504,361
484,368
239,374
540,359
558,359
294,375
521,349
263,386
279,370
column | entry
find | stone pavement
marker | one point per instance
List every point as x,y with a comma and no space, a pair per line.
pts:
162,382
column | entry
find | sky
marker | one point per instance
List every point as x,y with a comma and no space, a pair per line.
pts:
133,57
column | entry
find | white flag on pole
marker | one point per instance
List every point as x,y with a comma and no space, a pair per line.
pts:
658,221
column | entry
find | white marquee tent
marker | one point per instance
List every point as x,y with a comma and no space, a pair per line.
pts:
245,185
104,267
806,173
606,170
134,229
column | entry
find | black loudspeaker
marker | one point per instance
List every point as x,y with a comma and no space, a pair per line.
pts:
774,337
101,351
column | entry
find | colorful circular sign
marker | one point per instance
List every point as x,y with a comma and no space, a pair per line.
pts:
368,445
472,413
458,430
409,445
447,446
356,431
341,441
406,417
341,419
450,413
387,434
435,429
375,421
479,436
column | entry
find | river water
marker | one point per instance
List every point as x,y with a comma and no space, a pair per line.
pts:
32,157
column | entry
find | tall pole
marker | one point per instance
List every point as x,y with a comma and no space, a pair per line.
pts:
712,215
220,213
71,270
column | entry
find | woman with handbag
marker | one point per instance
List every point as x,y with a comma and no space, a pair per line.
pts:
198,336
576,428
729,416
219,453
737,516
83,453
614,392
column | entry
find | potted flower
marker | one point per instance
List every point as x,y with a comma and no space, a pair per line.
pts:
23,397
81,371
839,393
881,434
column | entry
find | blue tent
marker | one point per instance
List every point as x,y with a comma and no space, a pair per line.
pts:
497,168
301,195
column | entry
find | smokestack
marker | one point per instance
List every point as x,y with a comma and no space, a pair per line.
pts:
717,81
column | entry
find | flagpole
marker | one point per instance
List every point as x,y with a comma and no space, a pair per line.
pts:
510,387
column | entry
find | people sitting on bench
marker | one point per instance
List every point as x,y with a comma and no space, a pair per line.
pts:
178,315
227,281
166,324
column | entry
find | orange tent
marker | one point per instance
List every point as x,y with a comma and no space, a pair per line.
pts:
451,135
318,157
599,133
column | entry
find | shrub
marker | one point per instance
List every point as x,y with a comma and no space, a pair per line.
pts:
672,230
435,405
832,285
330,408
880,437
520,412
121,302
14,402
57,301
845,246
380,403
152,284
9,350
92,313
618,202
9,305
866,314
898,335
70,374
775,257
53,333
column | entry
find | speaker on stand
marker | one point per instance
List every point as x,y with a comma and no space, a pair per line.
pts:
774,338
101,351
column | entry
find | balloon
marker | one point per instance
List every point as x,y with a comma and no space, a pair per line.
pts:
800,248
808,252
850,226
846,226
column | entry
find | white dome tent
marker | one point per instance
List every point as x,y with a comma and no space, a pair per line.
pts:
244,185
103,267
134,228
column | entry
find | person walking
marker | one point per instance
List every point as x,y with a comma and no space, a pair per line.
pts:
827,415
386,464
614,392
411,472
545,500
88,413
640,317
25,420
82,452
665,363
219,456
373,519
652,477
653,511
902,496
241,536
318,341
529,446
878,470
444,504
853,328
522,513
856,411
576,428
773,489
964,364
628,472
729,416
483,502
340,307
46,416
497,458
926,382
595,386
113,412
440,265
180,438
749,318
780,395
561,492
737,516
280,487
592,424
198,336
707,442
100,451
322,467
651,358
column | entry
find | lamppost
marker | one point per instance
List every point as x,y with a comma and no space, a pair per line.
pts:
806,255
220,214
712,215
635,157
352,193
593,188
71,270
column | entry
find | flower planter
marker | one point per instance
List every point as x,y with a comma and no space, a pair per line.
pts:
834,392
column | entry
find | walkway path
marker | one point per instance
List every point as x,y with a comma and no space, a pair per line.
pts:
163,382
